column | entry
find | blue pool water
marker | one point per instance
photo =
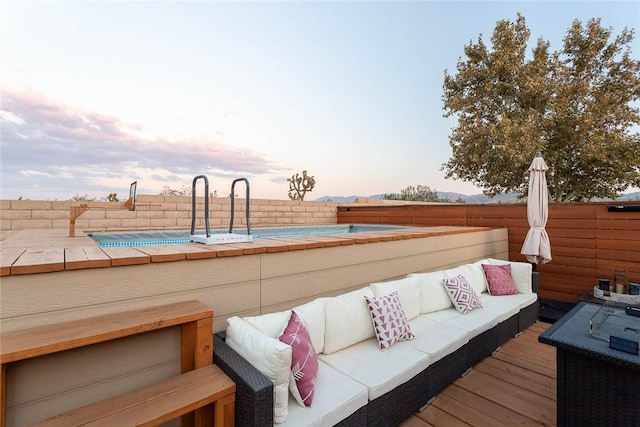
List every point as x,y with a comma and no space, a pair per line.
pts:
146,238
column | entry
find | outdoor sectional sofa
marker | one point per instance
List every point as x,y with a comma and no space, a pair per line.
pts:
357,384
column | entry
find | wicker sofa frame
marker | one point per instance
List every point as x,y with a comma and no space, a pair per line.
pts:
254,392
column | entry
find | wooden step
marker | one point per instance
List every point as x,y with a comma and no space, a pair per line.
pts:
159,402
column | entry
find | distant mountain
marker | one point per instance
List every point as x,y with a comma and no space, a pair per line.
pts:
630,196
474,198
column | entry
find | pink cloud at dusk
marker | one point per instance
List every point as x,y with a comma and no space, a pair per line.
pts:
47,145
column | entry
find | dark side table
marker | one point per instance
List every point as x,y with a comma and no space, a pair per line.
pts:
596,385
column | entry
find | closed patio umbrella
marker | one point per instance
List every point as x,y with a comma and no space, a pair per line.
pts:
536,245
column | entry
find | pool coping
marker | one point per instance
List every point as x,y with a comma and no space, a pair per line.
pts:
35,251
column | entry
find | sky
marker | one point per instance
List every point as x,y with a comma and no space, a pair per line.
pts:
96,95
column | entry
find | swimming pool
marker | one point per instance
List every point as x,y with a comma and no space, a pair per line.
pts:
147,238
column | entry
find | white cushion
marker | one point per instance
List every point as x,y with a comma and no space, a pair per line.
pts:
380,371
433,296
504,306
477,278
408,291
271,324
472,272
438,339
268,355
314,318
475,322
347,320
519,301
336,397
521,273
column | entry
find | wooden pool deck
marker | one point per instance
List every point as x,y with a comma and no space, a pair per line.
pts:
46,251
515,386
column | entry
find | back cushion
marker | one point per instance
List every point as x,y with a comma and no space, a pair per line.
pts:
347,320
268,355
473,273
313,316
433,296
271,324
408,292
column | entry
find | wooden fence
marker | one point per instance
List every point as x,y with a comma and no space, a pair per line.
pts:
587,240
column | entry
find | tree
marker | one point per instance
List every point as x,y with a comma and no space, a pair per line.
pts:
574,104
79,198
420,193
183,191
113,197
299,185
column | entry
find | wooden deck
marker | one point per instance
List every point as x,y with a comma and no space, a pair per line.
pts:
516,386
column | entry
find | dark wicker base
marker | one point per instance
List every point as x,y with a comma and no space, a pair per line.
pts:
254,391
447,370
357,419
400,403
592,392
481,347
507,329
528,316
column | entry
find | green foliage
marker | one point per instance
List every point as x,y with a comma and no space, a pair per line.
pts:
183,191
79,198
299,185
574,104
112,197
420,193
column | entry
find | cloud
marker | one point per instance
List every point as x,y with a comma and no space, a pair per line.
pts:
49,145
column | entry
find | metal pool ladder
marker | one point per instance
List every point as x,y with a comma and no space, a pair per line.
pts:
218,238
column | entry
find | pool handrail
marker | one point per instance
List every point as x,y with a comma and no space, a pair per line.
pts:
247,209
206,204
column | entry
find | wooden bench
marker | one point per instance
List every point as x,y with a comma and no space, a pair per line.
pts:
170,396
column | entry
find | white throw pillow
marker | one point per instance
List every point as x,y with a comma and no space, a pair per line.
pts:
433,296
348,321
408,291
268,355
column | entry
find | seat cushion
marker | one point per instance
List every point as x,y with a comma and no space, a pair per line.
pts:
380,371
438,339
503,306
476,322
336,397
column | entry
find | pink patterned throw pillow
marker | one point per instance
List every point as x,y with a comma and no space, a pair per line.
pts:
499,279
389,320
304,361
462,295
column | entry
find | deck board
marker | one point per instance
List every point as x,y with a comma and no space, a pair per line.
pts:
515,386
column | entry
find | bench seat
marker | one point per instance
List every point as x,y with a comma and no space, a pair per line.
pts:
157,403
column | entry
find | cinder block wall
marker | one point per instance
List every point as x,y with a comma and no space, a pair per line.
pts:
163,213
